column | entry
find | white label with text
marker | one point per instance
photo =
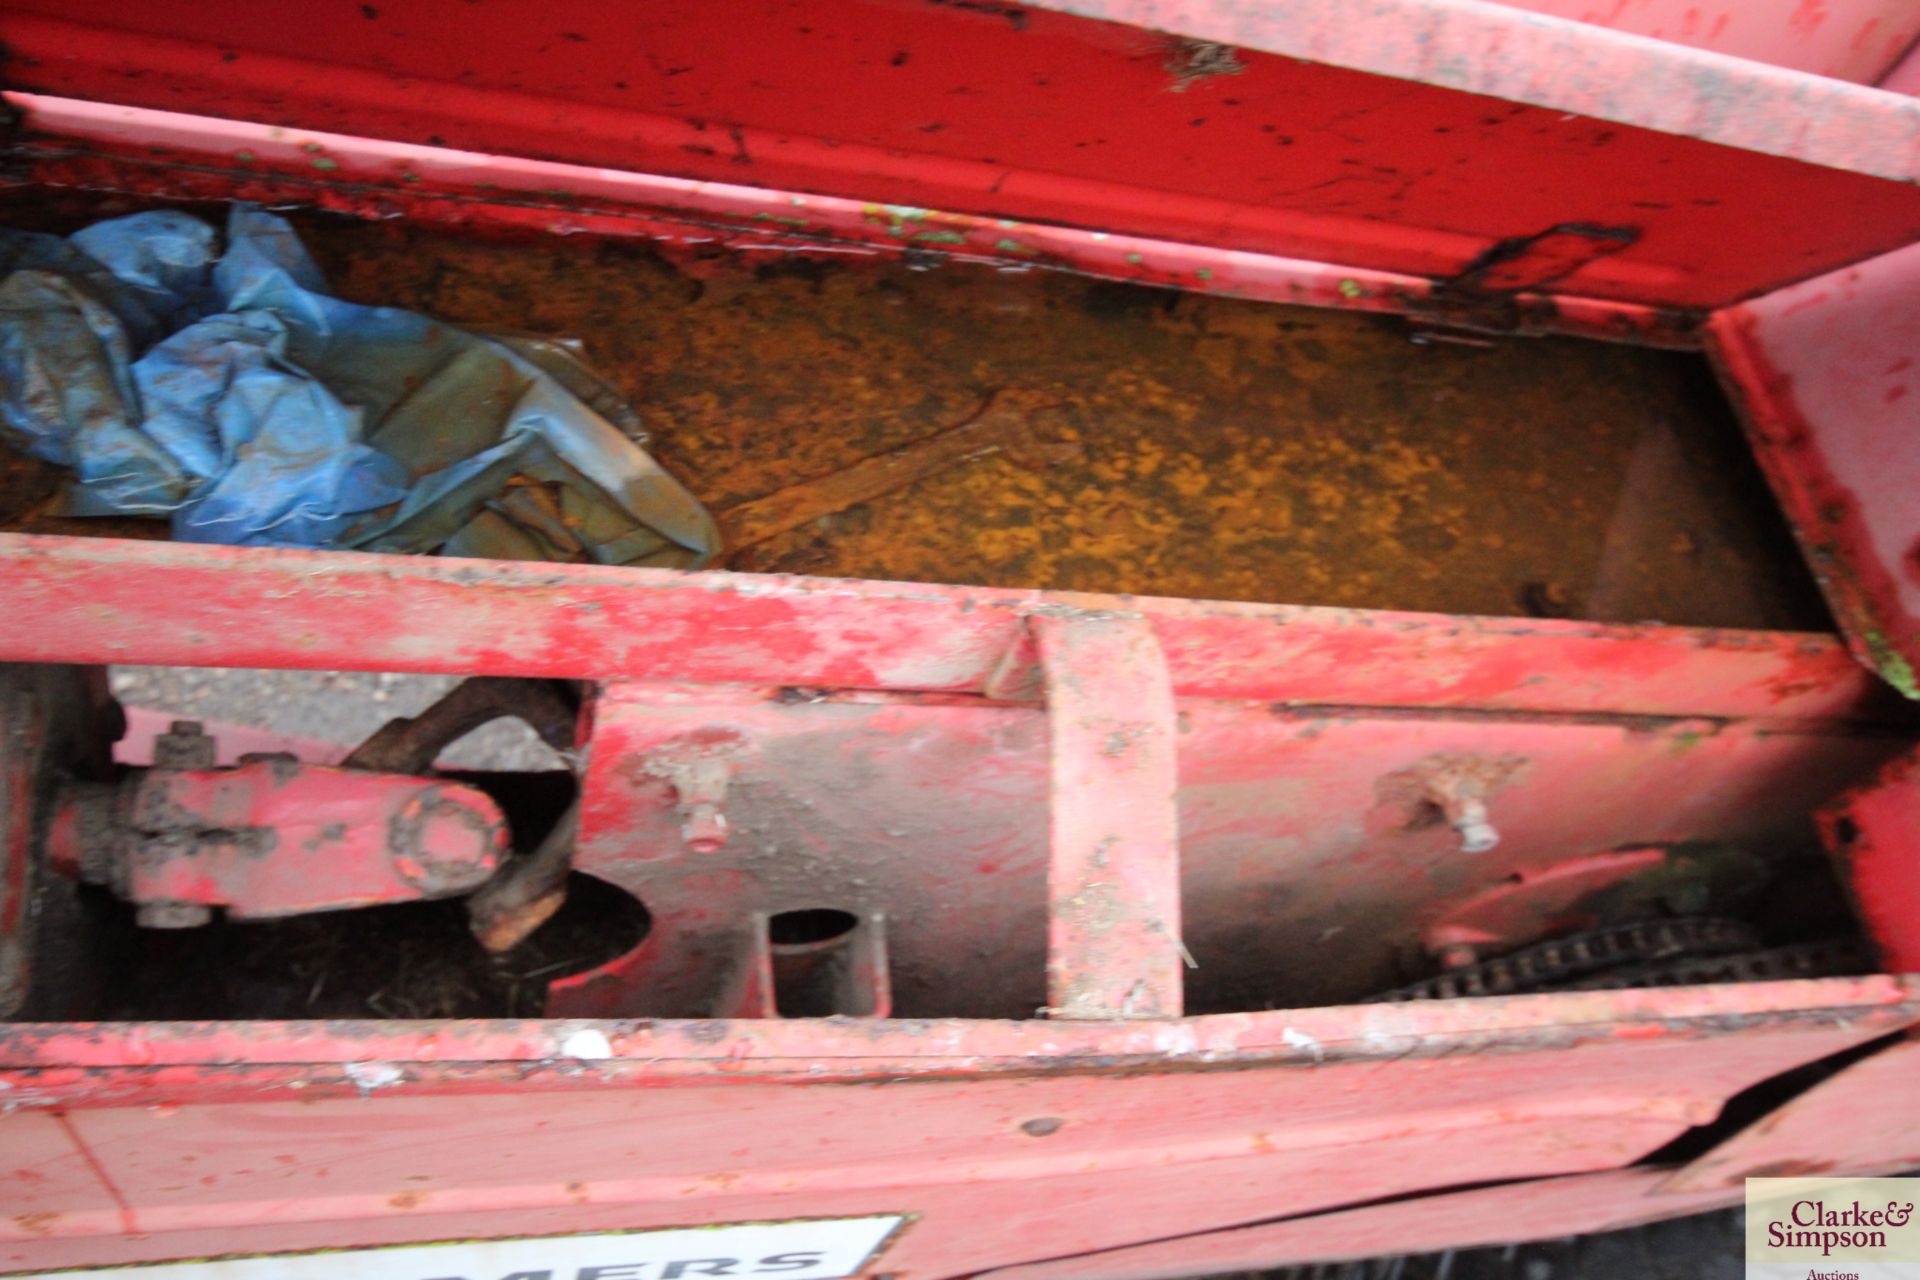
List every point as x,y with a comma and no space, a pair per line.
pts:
817,1249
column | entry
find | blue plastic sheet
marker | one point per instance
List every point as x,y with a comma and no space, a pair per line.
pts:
222,386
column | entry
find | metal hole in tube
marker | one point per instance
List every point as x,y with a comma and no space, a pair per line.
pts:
815,956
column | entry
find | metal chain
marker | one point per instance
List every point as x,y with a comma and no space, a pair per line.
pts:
1656,954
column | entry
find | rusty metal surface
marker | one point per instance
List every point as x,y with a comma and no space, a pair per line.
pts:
507,909
1206,448
1863,1120
1824,374
288,1136
55,723
1200,447
411,744
1003,424
25,725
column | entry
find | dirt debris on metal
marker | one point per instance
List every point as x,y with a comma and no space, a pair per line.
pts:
1175,444
1217,448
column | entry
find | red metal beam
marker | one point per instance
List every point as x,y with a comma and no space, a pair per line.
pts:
1415,137
95,600
235,1138
170,154
1113,877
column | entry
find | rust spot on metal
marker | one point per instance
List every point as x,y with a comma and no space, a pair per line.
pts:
1016,17
1526,262
1191,62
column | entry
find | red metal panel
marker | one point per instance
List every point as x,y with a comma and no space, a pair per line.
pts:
242,1137
1413,136
1864,1120
1827,376
1904,78
1566,67
1426,1224
1539,904
1302,883
1872,832
165,153
96,600
1847,39
50,1178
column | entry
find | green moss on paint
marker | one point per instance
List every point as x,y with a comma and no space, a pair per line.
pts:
1891,664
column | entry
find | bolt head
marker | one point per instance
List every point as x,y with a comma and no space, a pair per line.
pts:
172,915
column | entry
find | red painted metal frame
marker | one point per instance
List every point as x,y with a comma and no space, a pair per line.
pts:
1827,376
1480,127
152,1141
653,1122
1113,874
98,600
1859,40
76,143
1443,159
1830,1118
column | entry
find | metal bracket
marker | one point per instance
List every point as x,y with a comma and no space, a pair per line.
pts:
1113,884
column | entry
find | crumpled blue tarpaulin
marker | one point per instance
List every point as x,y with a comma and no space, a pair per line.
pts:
228,391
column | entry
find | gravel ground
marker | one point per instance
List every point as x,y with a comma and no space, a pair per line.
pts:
334,706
